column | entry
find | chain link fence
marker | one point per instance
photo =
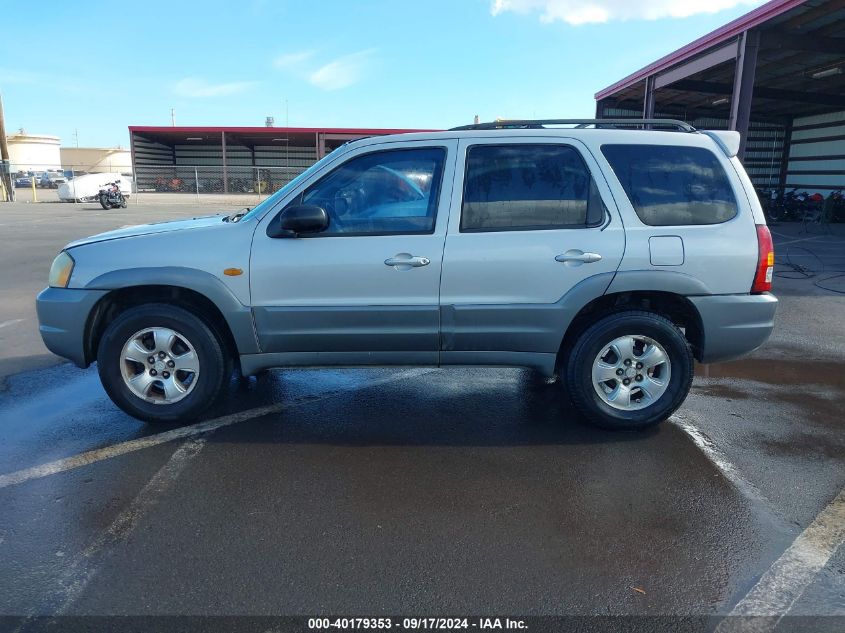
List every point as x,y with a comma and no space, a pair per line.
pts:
77,183
203,179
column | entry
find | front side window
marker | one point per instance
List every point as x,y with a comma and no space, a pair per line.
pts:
673,185
393,191
528,187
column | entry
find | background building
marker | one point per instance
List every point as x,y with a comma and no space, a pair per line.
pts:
33,152
776,74
231,159
97,160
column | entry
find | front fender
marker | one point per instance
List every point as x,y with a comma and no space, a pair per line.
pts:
237,315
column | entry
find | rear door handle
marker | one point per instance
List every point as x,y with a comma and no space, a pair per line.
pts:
578,257
403,259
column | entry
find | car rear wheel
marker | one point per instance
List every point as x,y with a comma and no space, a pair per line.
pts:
161,363
630,370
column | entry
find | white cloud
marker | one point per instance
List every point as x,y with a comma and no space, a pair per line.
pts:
343,71
596,11
293,61
194,87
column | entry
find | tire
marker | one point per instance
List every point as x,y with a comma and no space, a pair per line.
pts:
122,202
193,392
104,202
586,365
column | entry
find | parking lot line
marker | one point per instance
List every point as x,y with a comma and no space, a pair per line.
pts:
709,448
12,322
82,568
130,446
785,581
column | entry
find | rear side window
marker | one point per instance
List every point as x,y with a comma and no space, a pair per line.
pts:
528,187
670,185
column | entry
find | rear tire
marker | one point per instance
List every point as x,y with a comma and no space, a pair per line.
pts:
643,350
161,363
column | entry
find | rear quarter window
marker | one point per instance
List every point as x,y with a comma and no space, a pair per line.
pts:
671,185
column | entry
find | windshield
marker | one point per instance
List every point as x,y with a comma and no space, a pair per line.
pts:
268,203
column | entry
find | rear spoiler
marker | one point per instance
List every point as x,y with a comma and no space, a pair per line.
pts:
727,140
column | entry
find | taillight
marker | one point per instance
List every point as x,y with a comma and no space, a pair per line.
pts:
765,260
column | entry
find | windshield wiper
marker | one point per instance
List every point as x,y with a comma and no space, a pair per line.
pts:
237,215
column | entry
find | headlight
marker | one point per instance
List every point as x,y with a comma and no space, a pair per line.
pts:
60,270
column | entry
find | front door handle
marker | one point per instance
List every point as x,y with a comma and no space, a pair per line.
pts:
577,257
403,261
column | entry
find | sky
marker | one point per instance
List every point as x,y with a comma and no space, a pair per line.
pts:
86,70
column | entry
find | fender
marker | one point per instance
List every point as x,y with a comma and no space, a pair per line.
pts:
658,280
238,316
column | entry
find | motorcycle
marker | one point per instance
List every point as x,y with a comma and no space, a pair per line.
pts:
111,196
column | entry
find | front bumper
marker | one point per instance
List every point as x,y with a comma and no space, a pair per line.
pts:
734,325
62,318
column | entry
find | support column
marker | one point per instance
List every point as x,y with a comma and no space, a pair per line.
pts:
134,168
743,88
599,110
784,165
321,146
225,168
648,98
8,186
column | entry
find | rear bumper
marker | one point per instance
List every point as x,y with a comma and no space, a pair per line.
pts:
734,325
62,318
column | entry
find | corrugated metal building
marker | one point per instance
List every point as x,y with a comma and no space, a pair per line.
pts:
231,159
776,74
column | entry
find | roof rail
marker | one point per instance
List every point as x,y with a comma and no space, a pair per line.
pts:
511,124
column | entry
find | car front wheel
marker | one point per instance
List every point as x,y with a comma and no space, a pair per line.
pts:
630,370
161,363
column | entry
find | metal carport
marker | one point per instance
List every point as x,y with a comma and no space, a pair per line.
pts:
776,74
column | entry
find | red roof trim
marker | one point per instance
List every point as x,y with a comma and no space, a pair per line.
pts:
270,130
748,21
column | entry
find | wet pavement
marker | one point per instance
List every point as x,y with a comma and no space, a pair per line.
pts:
426,492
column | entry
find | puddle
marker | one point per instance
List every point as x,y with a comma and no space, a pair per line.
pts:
805,445
779,372
815,388
721,391
54,403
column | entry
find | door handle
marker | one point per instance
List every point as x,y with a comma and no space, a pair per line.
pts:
404,259
578,257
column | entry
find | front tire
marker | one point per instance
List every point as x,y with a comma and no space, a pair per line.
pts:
104,202
161,363
630,370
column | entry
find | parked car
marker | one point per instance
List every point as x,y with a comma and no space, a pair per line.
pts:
610,257
23,181
86,187
52,179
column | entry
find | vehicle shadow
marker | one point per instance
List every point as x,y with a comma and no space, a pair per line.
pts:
447,407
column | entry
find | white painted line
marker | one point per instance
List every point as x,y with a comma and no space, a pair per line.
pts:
719,459
79,571
130,446
12,322
784,582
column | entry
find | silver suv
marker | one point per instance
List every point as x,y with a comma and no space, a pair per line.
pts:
612,253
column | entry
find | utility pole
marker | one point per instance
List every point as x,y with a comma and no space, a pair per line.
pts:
173,117
4,158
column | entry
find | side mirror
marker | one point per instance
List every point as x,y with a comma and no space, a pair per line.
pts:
297,220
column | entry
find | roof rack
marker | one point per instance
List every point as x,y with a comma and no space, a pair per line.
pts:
530,124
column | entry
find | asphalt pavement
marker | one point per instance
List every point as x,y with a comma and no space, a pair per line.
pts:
376,492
